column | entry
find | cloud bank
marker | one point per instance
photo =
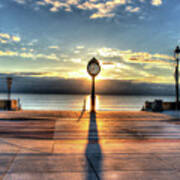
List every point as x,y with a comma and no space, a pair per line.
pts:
24,83
98,8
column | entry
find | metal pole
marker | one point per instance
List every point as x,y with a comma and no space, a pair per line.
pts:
9,93
93,103
9,84
177,83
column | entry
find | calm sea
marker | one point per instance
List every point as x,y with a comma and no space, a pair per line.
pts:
76,102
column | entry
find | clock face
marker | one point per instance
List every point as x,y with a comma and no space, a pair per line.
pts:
94,69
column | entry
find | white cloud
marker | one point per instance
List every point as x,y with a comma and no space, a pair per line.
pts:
40,3
134,57
76,51
109,52
103,9
34,41
29,55
156,2
76,60
16,38
73,2
53,47
6,38
99,9
79,47
64,56
132,10
8,53
56,5
3,41
20,1
4,35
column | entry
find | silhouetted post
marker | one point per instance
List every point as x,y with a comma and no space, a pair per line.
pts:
93,101
176,54
93,69
9,84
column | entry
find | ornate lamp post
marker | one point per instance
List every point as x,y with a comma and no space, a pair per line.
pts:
9,84
93,69
176,55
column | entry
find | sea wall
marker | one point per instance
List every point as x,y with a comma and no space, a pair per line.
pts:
159,105
9,104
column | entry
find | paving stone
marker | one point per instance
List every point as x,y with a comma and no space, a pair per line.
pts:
106,145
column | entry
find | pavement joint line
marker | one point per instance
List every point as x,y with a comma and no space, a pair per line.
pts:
93,168
158,157
18,146
8,168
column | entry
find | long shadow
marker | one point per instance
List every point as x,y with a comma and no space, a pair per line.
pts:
93,151
81,115
83,111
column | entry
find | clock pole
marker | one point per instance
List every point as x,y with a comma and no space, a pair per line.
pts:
93,95
93,69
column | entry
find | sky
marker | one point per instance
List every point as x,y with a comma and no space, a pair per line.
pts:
46,40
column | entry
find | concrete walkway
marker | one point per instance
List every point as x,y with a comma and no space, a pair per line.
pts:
172,113
68,145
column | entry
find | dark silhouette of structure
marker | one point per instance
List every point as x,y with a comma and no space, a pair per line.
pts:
93,69
176,54
9,85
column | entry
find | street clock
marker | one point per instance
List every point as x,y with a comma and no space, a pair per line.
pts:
93,67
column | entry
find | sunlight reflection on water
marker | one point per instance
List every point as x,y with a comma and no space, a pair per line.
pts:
88,102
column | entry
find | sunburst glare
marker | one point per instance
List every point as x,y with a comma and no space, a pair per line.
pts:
88,103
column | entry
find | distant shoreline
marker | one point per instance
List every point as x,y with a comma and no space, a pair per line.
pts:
100,94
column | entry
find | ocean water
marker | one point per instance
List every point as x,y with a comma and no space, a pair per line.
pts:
77,102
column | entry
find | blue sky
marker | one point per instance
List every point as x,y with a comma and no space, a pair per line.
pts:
133,39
